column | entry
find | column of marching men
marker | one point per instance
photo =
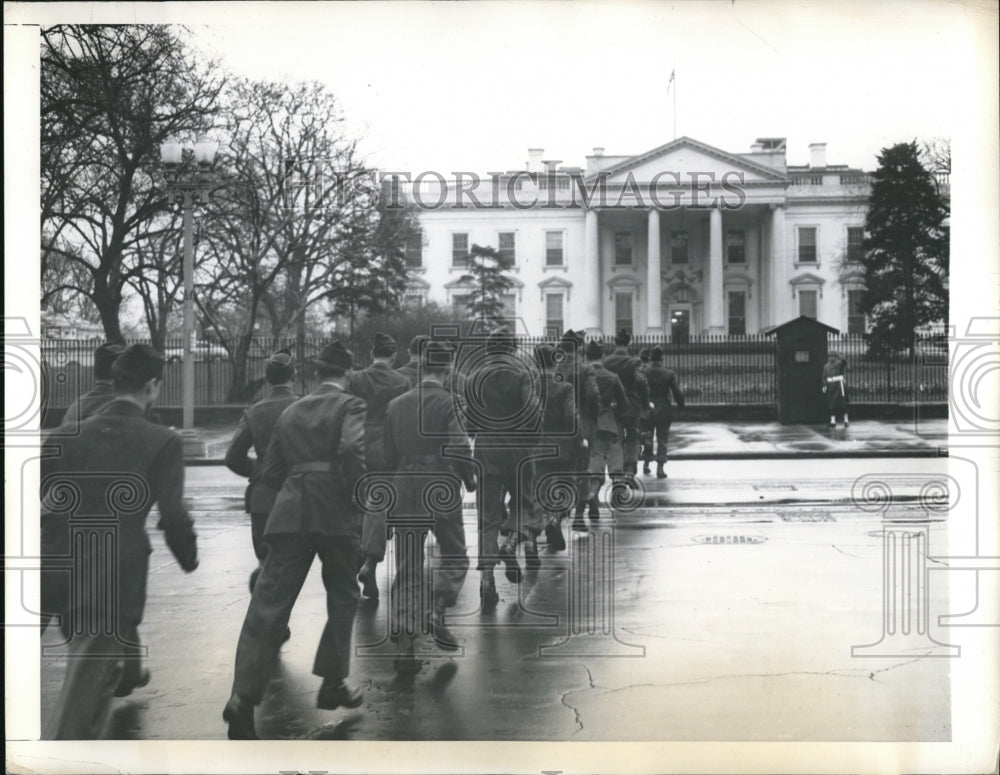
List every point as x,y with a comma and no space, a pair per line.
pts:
337,473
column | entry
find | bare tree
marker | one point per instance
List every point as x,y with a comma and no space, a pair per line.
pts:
109,96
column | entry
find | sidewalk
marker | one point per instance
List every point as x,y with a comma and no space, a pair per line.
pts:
734,441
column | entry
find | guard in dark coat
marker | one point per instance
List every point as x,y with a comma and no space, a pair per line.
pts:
254,430
94,399
606,452
662,387
629,371
500,410
97,488
576,371
427,448
835,387
562,434
411,369
645,423
376,386
314,461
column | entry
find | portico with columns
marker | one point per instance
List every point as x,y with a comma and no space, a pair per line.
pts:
685,239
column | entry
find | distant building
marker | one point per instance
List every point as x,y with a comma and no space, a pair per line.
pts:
685,238
57,325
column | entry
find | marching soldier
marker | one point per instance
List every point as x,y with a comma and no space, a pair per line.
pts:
411,369
562,431
578,373
254,430
628,370
606,452
835,387
376,386
662,386
115,457
103,392
418,426
314,461
500,406
645,423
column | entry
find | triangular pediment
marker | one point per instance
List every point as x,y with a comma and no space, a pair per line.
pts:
685,156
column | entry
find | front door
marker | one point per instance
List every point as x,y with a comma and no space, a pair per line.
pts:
680,323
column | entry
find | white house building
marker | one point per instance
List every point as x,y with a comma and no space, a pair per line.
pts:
685,238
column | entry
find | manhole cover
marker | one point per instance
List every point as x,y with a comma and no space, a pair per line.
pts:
819,516
729,539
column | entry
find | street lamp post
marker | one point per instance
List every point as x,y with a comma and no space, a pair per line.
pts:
190,178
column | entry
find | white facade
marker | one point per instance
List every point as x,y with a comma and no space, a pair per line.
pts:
683,238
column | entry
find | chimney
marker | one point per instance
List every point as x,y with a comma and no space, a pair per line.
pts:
757,147
598,150
535,159
551,165
817,155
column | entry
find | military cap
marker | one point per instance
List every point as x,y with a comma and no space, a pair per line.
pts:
280,366
500,340
657,354
623,337
436,355
569,341
138,362
282,357
336,356
415,343
383,343
644,354
104,356
594,350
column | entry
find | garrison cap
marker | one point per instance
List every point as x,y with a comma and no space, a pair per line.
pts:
280,367
383,342
623,337
657,354
644,354
594,350
436,355
336,356
139,362
570,340
104,357
282,357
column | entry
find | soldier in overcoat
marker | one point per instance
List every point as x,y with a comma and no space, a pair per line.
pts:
578,372
254,431
629,371
411,369
427,448
376,385
314,461
98,485
662,387
606,452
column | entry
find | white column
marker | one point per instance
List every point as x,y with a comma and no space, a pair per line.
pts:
780,301
590,315
654,315
716,309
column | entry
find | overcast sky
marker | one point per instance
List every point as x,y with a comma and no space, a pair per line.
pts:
450,86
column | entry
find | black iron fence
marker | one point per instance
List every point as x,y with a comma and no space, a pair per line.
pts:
710,369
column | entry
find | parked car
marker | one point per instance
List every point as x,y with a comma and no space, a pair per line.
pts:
203,352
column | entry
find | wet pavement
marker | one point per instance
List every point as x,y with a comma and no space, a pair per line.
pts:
698,621
721,440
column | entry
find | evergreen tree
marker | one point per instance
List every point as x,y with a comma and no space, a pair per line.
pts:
905,251
488,283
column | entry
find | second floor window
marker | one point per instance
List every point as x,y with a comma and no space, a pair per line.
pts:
554,313
807,245
553,248
460,250
506,245
623,248
855,238
678,247
736,246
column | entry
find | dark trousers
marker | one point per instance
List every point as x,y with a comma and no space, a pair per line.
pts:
503,470
630,447
662,430
258,521
281,578
93,670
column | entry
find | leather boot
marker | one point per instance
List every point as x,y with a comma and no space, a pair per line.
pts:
443,637
645,467
369,584
488,591
660,473
554,536
238,714
337,694
508,553
531,560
